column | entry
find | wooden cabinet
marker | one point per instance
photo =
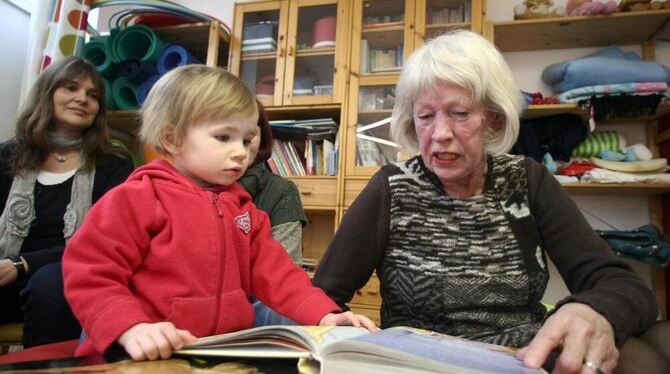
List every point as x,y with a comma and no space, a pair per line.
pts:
291,52
384,33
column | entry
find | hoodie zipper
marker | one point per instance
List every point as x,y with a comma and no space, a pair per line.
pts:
215,201
222,270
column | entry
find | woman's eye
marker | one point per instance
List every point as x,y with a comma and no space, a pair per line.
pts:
93,96
222,138
70,87
459,115
425,116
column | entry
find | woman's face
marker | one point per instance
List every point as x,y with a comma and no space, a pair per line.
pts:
75,105
451,130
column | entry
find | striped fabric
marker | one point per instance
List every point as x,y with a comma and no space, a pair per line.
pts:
597,142
455,265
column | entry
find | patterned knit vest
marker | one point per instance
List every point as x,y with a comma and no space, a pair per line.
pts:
469,267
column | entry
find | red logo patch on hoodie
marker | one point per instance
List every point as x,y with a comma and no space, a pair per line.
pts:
243,222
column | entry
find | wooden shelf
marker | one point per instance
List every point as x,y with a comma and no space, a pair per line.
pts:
617,188
196,37
315,52
248,56
536,111
450,26
576,32
126,121
298,112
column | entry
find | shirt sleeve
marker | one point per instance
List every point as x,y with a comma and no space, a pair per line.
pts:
289,235
593,275
359,244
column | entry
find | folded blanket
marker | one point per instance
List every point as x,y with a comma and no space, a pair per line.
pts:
608,66
598,175
583,93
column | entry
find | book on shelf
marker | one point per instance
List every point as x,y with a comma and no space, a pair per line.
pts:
341,349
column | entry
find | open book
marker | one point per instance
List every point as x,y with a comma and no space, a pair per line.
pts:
344,349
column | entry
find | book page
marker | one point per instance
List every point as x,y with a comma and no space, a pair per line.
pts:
272,341
431,350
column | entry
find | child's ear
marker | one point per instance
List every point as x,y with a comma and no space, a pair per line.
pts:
169,140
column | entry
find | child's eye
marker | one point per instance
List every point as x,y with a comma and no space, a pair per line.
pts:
70,87
222,138
93,96
246,142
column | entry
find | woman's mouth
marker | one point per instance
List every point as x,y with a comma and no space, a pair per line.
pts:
445,157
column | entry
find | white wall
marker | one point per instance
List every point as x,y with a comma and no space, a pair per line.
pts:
14,26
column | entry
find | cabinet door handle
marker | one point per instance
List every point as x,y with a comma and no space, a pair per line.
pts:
290,50
281,52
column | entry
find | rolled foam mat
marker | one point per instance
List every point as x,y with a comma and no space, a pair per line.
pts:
125,94
95,52
174,55
136,41
145,87
136,71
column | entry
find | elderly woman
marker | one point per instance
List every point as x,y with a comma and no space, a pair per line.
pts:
459,234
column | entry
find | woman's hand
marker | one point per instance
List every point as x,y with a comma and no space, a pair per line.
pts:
8,273
583,334
348,318
150,341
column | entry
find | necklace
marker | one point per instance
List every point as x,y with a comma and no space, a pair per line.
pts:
61,158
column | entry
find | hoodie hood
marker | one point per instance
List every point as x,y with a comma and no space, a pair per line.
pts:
161,171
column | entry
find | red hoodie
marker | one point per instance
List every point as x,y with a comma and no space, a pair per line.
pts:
159,248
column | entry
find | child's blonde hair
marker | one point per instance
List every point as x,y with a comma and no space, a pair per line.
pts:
189,95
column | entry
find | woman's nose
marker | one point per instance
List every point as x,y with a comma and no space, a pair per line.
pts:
442,130
81,96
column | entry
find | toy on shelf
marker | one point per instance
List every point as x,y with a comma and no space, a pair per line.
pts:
590,8
642,5
538,9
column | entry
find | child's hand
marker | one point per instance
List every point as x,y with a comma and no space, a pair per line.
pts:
150,341
348,318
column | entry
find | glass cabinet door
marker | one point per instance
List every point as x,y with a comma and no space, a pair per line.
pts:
374,146
257,60
384,41
435,17
311,62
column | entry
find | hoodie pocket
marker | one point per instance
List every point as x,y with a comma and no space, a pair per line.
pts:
236,312
195,314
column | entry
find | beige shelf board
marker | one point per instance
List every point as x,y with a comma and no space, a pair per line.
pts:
536,111
442,26
316,52
258,56
617,188
298,112
575,32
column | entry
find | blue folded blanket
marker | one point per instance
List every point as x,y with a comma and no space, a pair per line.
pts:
606,66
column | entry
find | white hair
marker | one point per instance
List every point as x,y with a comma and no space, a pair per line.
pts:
461,59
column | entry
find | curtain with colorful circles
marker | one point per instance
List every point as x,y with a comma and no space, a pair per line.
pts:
66,30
